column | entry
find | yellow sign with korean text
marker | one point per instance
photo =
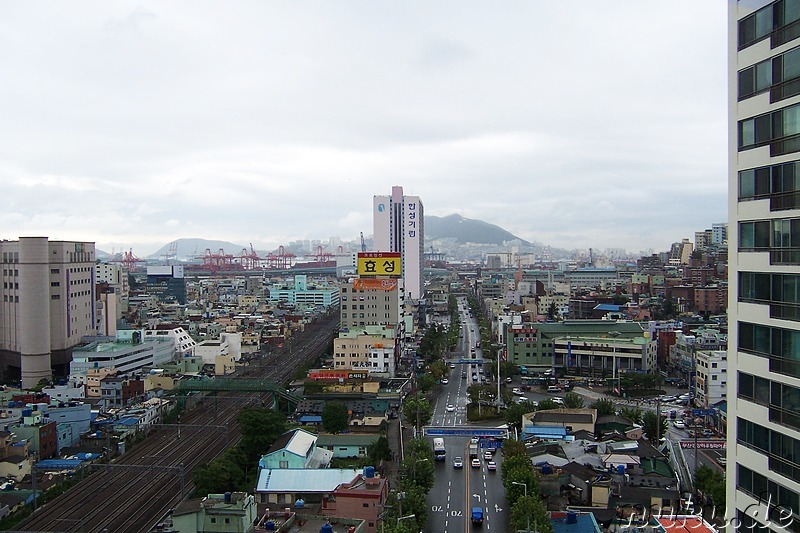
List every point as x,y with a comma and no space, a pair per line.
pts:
380,264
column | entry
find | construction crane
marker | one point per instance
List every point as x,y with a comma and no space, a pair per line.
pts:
363,245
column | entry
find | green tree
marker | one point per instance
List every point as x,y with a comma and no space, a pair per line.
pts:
634,414
426,382
379,451
512,448
654,425
417,467
529,511
507,369
513,413
335,417
552,311
712,484
604,406
259,427
573,400
438,369
414,405
221,475
547,404
412,500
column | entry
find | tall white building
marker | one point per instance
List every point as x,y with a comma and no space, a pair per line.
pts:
47,304
764,256
399,226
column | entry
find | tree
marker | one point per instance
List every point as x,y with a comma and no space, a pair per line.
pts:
412,500
418,468
223,474
507,369
335,417
634,414
529,510
438,369
573,400
514,412
654,425
552,311
259,427
417,404
547,404
512,448
379,451
604,406
712,484
426,382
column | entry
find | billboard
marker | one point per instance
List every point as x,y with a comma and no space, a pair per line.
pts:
704,444
373,284
380,264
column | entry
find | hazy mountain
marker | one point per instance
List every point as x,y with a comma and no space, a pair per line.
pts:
465,230
189,248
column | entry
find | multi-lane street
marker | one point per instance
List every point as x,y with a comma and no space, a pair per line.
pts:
458,489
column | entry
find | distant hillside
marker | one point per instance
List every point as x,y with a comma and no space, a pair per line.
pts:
466,230
189,248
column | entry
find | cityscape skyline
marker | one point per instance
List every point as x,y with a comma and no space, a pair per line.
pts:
267,122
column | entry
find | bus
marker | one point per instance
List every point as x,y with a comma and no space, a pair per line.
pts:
438,449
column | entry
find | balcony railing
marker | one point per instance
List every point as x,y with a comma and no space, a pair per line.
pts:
785,145
785,34
784,90
784,200
784,256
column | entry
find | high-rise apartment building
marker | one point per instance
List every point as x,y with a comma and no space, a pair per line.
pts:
47,304
763,473
399,226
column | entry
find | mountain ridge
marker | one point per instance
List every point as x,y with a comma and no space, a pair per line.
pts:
467,230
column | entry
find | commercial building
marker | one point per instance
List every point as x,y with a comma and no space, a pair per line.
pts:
371,302
167,283
126,353
372,349
300,292
399,226
48,304
764,255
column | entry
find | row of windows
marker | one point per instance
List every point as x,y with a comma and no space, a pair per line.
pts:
772,73
7,285
770,128
10,257
10,272
777,19
779,183
11,299
754,388
783,451
780,237
781,291
760,486
781,346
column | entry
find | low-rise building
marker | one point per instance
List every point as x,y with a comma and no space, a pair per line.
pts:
712,378
232,512
347,445
295,449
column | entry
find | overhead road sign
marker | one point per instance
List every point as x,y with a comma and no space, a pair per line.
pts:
464,431
704,444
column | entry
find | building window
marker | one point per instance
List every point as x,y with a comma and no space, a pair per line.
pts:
778,128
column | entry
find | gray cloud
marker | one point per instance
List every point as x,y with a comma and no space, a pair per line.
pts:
588,125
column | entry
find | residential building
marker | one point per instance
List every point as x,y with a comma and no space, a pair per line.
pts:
117,392
232,512
303,293
347,445
284,486
47,305
398,226
764,243
184,344
363,498
295,449
371,348
712,378
719,233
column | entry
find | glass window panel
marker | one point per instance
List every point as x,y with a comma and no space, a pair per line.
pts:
745,385
763,75
791,12
745,478
747,82
763,22
761,389
791,64
747,235
762,339
762,181
764,129
746,336
791,120
747,30
791,398
762,231
747,133
747,183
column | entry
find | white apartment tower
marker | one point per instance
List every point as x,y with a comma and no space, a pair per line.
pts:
399,226
763,476
47,304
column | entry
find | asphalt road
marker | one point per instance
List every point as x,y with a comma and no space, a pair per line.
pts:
457,490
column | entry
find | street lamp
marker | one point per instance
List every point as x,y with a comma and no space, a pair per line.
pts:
524,486
405,518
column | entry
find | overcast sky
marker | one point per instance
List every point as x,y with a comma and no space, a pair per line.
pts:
574,124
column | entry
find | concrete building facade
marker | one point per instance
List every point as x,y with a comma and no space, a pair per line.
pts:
47,305
764,256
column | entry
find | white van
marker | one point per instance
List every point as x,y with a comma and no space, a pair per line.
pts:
553,388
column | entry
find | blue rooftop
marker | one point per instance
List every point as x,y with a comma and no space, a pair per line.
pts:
554,432
585,523
58,464
311,419
608,307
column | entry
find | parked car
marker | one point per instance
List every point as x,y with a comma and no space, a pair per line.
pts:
509,380
679,424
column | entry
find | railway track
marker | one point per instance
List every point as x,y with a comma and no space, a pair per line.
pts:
141,487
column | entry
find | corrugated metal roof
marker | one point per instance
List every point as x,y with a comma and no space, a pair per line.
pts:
303,480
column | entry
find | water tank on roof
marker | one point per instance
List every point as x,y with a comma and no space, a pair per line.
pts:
299,503
620,469
369,471
327,528
227,497
572,518
270,525
11,405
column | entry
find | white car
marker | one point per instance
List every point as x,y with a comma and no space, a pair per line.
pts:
445,381
680,424
517,391
558,400
450,408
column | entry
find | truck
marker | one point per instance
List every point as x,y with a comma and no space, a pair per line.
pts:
477,515
473,450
